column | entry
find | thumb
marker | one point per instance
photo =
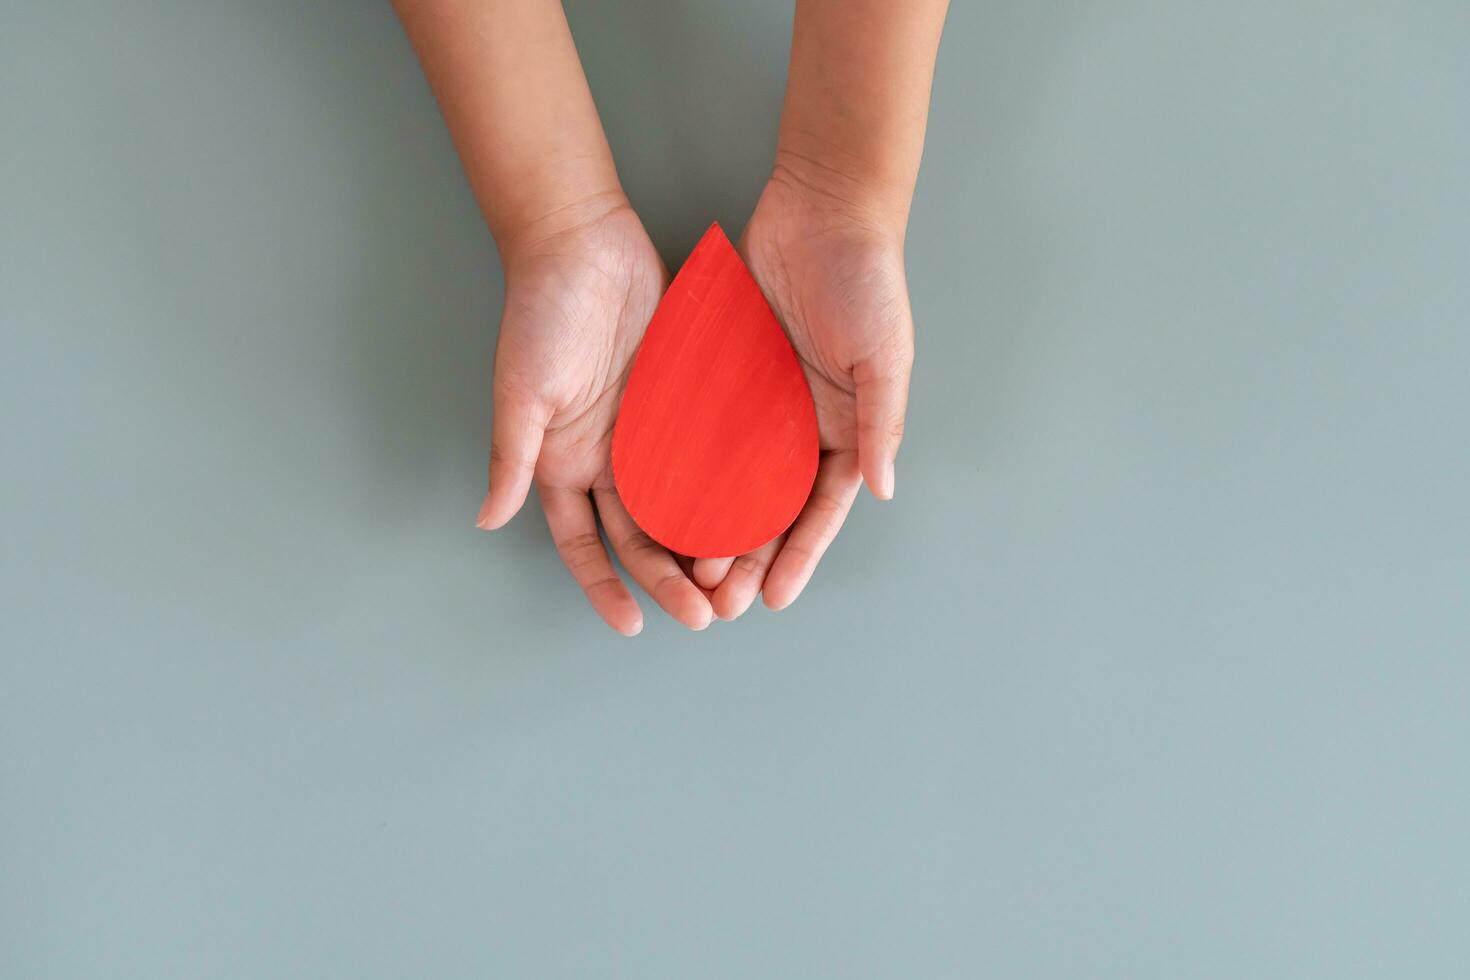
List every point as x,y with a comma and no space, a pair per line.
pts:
882,399
515,442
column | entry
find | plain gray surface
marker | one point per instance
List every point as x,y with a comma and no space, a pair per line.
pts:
1157,666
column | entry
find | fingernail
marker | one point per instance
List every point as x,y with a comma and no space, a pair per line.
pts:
482,520
888,480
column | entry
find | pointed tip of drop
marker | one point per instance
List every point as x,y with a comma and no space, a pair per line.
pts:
714,241
715,231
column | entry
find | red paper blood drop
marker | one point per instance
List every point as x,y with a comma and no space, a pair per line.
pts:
715,448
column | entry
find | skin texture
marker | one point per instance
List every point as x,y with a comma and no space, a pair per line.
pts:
825,243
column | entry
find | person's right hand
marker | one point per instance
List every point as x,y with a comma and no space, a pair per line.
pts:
833,272
581,288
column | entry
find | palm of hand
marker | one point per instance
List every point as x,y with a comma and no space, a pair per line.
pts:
576,308
837,284
575,311
836,281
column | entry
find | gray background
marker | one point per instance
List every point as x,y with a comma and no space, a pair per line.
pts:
1156,667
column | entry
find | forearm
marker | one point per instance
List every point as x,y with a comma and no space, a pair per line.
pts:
857,99
507,77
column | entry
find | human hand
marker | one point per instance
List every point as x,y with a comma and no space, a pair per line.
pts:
833,272
583,281
826,246
580,290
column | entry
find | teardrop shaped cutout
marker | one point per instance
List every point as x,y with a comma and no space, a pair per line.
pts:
715,448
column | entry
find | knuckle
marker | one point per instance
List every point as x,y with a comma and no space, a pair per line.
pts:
748,565
668,583
801,552
581,549
604,584
886,429
639,543
500,457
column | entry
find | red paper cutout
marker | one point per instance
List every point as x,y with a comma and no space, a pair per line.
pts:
715,448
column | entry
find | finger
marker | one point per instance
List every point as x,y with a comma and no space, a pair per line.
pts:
686,565
837,483
651,565
882,398
515,442
744,580
710,572
574,529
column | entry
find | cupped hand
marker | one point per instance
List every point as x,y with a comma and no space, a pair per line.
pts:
833,272
580,290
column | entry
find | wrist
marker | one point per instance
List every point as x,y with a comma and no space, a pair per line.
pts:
843,182
553,214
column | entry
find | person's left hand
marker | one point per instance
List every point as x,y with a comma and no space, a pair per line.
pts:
833,272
